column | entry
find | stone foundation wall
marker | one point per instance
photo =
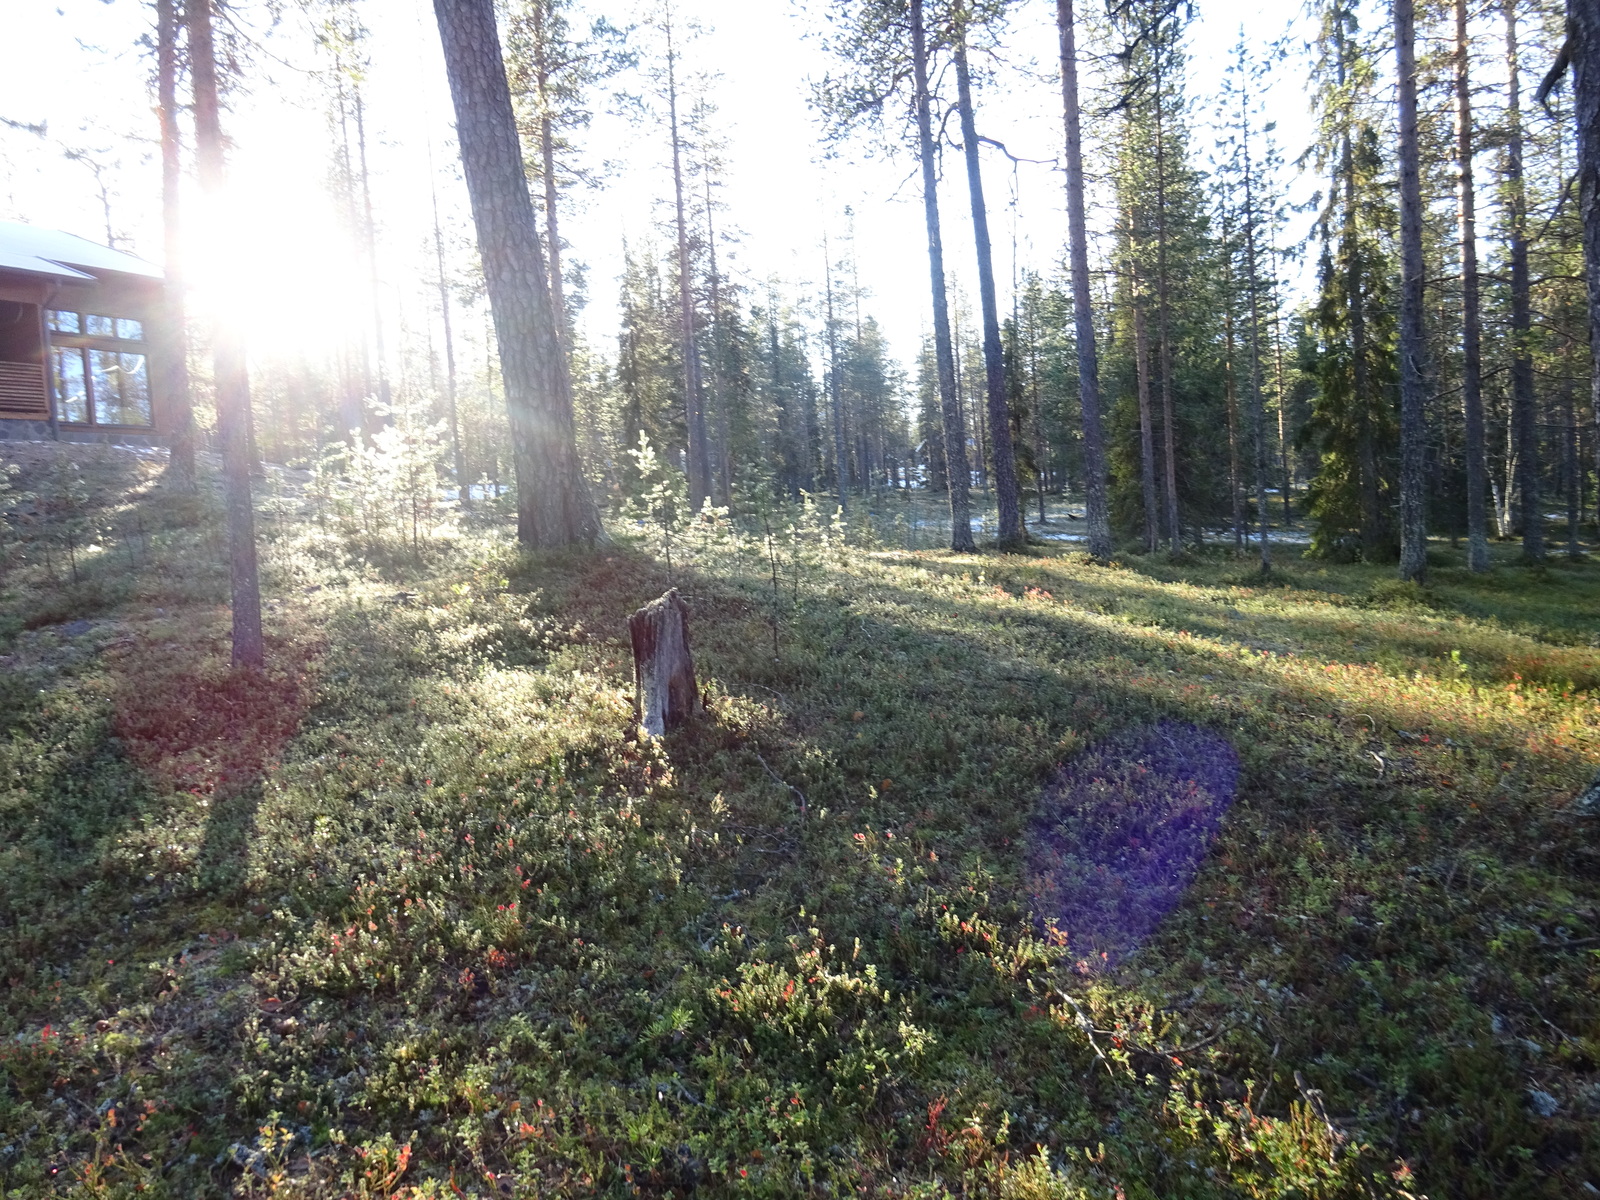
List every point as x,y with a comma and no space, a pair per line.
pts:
39,431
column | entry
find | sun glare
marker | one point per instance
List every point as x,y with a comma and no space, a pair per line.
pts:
278,267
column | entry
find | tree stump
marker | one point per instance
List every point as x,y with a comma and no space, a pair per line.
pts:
665,693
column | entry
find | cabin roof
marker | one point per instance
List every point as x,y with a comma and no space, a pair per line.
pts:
64,255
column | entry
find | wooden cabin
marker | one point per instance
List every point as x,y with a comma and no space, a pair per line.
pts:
76,323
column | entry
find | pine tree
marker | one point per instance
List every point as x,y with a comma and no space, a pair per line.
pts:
554,507
1094,450
886,51
230,374
1471,320
1353,426
171,330
1524,416
1413,335
1002,454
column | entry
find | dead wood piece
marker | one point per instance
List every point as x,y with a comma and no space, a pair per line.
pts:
664,688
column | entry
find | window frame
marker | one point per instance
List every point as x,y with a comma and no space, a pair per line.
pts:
82,343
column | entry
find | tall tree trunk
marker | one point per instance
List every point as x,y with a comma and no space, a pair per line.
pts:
1583,36
1582,54
171,328
1572,476
232,378
1374,524
724,469
554,507
458,460
1094,446
547,159
699,459
1286,471
1471,328
1258,411
1523,417
1169,424
1003,452
835,392
1147,445
955,434
1041,447
1230,390
370,236
1413,340
357,381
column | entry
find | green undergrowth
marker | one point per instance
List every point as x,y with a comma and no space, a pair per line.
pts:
414,912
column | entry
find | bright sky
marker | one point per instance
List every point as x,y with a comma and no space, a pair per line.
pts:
83,72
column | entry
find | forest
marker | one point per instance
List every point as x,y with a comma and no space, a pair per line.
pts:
919,598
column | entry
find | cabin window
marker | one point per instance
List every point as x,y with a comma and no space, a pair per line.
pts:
72,389
99,368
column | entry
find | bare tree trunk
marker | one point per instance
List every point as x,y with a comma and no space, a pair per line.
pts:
1571,474
1258,411
554,507
1374,525
547,156
1164,321
357,391
955,434
1041,447
1007,493
699,461
1581,53
1471,326
459,462
1523,416
1413,340
1094,445
1147,445
1229,393
232,379
370,231
718,398
171,328
1284,467
1583,40
835,394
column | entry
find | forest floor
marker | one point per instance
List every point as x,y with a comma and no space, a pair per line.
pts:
413,913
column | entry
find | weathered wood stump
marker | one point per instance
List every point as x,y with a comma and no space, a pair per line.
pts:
665,693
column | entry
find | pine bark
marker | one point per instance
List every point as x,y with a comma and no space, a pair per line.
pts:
1231,397
370,236
724,455
554,507
176,399
1147,444
1471,323
1258,410
1525,429
1164,322
1094,447
836,394
699,458
958,474
547,160
231,373
1413,343
1583,46
1002,451
458,460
